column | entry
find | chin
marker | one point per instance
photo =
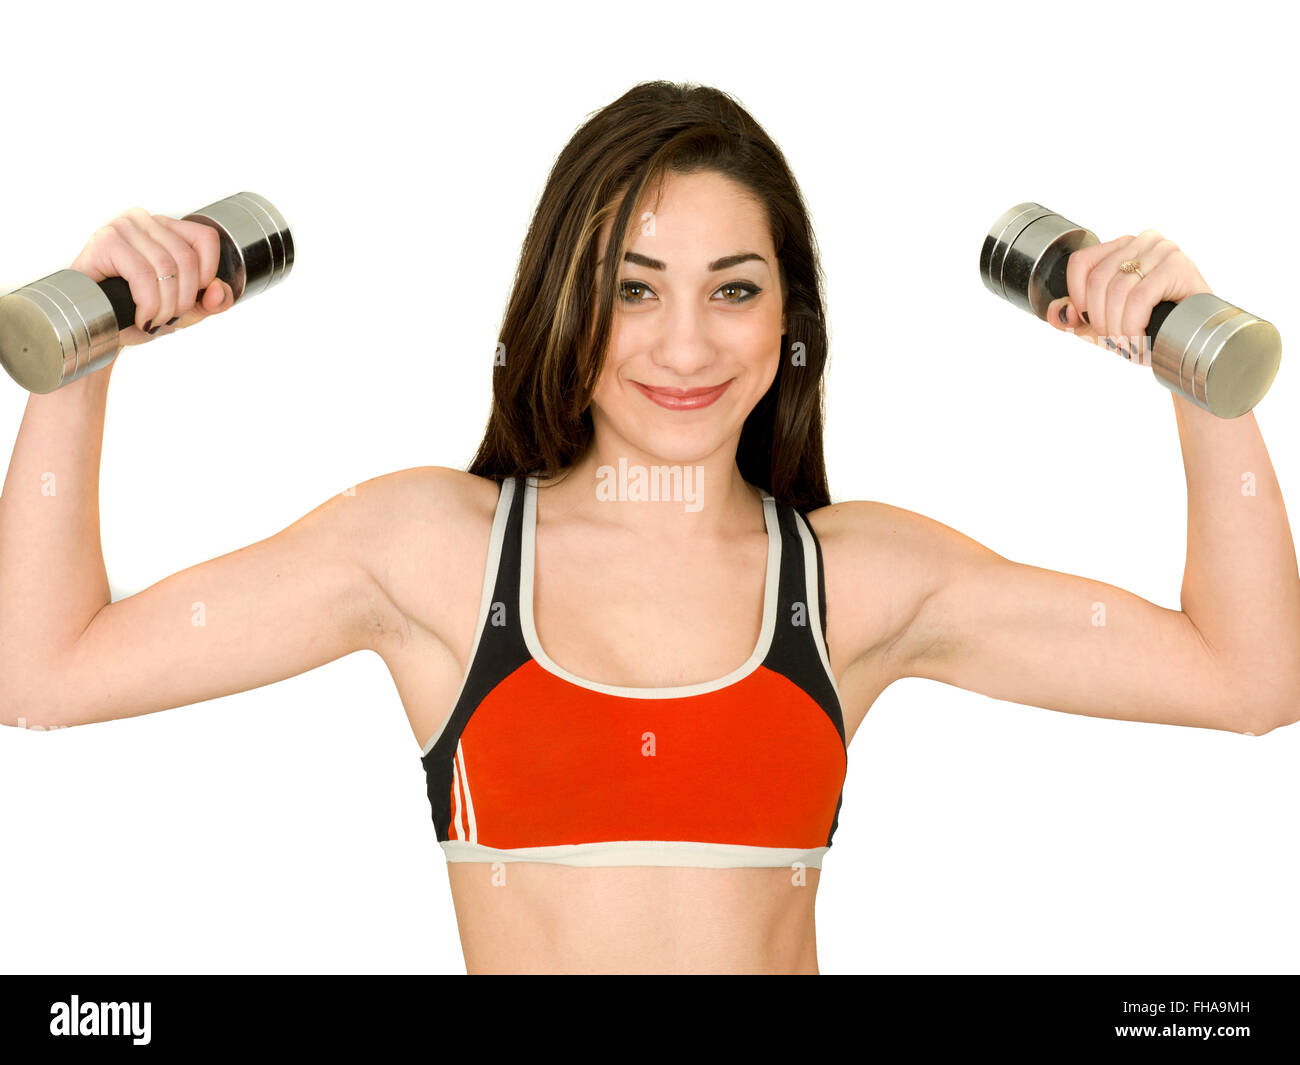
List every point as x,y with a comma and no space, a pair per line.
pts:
681,446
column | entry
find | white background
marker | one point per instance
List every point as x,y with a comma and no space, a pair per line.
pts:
286,829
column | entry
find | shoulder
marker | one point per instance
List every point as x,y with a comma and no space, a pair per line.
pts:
881,564
423,533
457,501
844,527
423,507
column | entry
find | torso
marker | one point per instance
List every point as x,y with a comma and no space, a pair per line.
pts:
527,916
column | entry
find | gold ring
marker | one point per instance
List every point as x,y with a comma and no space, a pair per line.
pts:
1130,266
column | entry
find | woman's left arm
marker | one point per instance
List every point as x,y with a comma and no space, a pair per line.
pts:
1230,659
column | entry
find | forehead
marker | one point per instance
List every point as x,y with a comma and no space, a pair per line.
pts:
699,216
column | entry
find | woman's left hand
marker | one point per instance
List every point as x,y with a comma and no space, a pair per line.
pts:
1118,305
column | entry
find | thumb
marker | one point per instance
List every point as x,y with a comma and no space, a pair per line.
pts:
217,297
1063,315
214,299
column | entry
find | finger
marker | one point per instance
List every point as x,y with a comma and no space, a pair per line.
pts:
1120,286
1077,269
186,283
218,297
159,296
1157,266
207,246
116,257
1061,314
1099,293
171,283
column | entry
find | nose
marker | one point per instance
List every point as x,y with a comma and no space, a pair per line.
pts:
684,343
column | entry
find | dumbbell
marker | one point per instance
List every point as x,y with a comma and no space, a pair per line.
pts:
1218,356
64,326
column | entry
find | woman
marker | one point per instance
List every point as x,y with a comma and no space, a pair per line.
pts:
635,638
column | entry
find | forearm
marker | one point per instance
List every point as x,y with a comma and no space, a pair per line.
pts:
1240,585
52,576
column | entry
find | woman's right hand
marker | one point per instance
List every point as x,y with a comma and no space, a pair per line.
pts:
140,248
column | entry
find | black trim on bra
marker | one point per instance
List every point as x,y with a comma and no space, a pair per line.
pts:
501,650
821,602
794,652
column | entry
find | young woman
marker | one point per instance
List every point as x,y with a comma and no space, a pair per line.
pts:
635,638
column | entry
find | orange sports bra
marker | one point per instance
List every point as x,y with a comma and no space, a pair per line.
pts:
536,764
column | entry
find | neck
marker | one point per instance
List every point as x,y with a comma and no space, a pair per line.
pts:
619,484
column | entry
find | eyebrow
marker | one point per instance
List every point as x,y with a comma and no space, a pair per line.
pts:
725,263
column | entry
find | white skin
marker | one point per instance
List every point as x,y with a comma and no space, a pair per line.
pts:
689,327
396,567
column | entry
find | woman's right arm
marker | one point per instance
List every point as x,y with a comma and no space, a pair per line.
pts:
279,607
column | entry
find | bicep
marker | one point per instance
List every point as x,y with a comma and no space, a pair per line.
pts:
1055,640
268,611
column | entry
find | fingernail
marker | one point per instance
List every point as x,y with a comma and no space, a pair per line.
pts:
146,326
1110,343
1063,314
171,320
1084,316
152,331
199,297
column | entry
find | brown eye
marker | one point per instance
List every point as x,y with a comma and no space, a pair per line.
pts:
623,291
747,291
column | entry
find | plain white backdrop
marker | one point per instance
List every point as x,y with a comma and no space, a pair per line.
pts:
286,829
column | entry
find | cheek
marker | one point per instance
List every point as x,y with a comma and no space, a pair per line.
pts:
758,344
607,383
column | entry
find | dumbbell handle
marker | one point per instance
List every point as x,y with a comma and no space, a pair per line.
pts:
64,326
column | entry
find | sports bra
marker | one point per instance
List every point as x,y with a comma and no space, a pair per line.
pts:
536,764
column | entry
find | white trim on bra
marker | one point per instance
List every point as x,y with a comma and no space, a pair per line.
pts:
814,600
459,784
770,596
640,852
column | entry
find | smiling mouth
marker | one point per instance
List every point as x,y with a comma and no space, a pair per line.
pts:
682,398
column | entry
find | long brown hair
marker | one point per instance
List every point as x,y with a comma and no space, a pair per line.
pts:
549,352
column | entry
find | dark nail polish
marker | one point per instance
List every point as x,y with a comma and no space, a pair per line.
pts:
1084,316
1063,315
171,320
152,331
145,327
1110,343
199,297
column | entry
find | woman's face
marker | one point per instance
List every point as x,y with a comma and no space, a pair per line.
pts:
696,333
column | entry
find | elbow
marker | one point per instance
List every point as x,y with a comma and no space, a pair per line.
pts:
1268,715
22,706
1288,714
37,695
32,718
1253,699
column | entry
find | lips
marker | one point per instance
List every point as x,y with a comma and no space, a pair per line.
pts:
682,398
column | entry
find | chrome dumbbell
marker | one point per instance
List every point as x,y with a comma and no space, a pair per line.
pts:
1218,356
64,326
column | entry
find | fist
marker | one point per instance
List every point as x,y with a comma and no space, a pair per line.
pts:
1109,306
141,248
